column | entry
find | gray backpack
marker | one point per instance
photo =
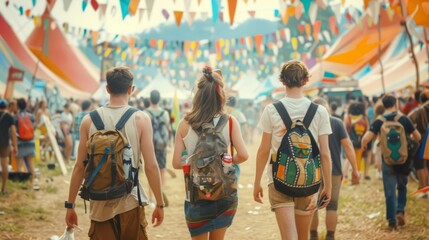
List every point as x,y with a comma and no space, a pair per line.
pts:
160,131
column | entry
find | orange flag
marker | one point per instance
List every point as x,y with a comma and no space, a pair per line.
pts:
316,29
178,15
94,37
134,4
232,5
258,43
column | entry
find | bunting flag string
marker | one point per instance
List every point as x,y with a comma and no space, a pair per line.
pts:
191,17
149,7
133,6
215,10
232,5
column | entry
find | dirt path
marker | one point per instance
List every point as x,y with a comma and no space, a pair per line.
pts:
40,215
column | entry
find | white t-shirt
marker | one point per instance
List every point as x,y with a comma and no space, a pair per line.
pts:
272,123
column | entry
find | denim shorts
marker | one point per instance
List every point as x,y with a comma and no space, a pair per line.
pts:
302,205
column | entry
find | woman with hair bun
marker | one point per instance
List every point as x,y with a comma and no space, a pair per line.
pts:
208,219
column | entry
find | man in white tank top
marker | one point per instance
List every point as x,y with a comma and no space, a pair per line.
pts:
108,217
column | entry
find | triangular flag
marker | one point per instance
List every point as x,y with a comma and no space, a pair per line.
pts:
187,5
215,10
245,1
299,10
199,2
285,16
191,17
322,4
178,16
84,5
94,36
134,4
149,7
306,4
102,10
258,43
252,13
141,12
232,6
33,2
94,4
124,7
313,13
165,14
28,12
67,4
316,29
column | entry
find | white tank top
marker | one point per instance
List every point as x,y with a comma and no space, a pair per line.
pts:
191,137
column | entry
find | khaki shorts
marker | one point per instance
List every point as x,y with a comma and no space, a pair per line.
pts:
302,205
127,225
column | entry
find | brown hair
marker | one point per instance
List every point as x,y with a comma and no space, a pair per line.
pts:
294,74
209,99
119,79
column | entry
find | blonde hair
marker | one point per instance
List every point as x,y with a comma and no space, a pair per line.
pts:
209,99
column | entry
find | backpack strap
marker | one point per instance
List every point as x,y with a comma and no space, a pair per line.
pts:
125,117
221,123
230,135
310,114
283,114
96,119
397,117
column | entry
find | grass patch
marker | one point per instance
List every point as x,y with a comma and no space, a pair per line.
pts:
11,227
51,189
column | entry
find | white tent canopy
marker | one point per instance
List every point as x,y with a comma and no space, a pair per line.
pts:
164,86
248,86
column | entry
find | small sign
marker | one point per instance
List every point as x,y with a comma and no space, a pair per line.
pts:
15,74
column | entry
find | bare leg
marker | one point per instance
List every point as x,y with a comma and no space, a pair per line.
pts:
331,220
286,221
218,234
5,173
303,226
203,236
315,221
30,162
68,147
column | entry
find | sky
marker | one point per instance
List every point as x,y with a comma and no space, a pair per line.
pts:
113,24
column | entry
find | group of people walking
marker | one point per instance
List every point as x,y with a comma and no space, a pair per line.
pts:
302,147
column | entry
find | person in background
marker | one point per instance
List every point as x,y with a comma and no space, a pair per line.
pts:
338,138
208,107
293,214
411,103
333,109
419,116
356,124
7,133
26,147
86,107
66,124
232,109
392,180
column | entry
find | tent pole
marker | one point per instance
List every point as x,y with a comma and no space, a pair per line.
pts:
427,45
379,54
413,55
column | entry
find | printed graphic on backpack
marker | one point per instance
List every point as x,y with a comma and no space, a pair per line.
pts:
296,166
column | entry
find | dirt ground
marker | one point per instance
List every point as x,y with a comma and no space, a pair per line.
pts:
26,214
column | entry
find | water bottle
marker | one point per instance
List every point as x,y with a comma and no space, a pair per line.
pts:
227,163
186,166
127,156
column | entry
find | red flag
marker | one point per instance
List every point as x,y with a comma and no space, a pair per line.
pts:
94,4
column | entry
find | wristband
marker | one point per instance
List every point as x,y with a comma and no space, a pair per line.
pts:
160,206
68,205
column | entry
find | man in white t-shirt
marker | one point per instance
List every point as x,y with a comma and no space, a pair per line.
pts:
293,214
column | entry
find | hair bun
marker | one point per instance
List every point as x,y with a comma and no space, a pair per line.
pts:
207,70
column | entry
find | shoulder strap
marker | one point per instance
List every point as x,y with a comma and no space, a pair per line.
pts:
230,135
310,114
221,123
96,119
397,117
283,114
125,117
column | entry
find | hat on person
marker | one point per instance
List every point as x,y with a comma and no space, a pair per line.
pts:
3,103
